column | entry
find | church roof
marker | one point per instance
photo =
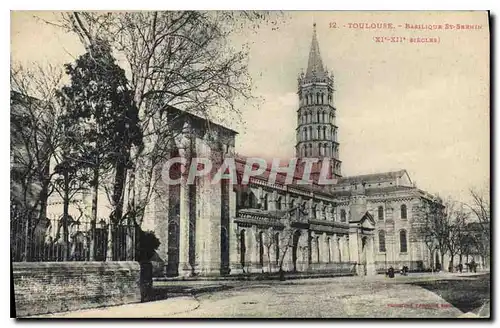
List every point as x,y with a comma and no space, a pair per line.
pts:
315,65
376,177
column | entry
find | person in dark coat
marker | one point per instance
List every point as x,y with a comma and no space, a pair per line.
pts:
390,272
473,266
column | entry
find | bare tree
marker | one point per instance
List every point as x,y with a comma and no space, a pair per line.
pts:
174,59
433,227
455,225
35,138
468,244
428,215
480,208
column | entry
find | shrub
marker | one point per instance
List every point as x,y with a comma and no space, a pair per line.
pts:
147,244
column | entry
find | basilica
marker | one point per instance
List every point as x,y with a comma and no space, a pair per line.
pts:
360,225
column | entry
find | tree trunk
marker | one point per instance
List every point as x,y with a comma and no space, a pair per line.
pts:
110,250
93,219
450,265
27,240
118,191
66,217
442,260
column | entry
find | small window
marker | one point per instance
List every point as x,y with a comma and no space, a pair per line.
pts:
402,242
381,241
342,216
278,203
381,213
404,212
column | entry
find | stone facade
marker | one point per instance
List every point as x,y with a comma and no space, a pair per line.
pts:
362,223
317,130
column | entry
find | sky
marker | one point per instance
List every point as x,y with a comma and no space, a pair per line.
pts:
423,107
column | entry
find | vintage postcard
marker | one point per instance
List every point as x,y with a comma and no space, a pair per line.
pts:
250,164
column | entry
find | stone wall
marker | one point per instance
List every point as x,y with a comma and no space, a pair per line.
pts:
50,287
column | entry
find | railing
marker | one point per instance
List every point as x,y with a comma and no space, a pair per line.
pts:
79,240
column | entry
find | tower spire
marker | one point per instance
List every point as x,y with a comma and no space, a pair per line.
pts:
315,64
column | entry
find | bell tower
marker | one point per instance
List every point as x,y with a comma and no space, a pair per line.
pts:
316,116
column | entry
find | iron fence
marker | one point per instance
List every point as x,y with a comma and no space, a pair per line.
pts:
79,240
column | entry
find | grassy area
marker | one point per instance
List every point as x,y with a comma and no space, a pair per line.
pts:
465,294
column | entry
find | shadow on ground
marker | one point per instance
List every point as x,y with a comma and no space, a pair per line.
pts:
467,294
164,292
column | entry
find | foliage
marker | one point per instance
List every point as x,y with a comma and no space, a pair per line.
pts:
101,113
147,245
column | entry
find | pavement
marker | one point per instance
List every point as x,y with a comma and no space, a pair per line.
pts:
341,297
157,309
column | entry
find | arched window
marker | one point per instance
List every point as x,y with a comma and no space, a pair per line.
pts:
317,98
304,134
224,243
403,247
318,136
324,132
381,241
381,213
278,203
309,137
307,99
329,99
404,212
326,149
323,117
342,215
242,248
310,150
329,246
277,248
264,202
339,246
317,250
261,248
322,98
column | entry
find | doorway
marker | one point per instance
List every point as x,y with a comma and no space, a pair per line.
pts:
364,244
295,243
173,250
